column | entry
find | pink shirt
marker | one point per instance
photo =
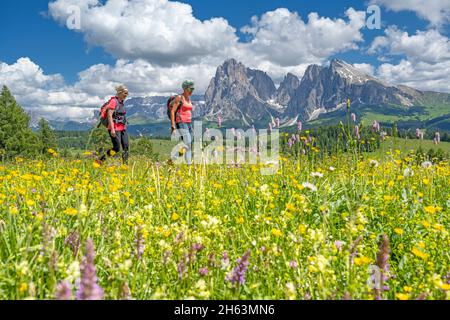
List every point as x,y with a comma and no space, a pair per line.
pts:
185,113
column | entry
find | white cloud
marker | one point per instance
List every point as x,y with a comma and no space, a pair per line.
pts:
419,75
426,59
166,33
437,12
282,37
160,31
428,46
35,90
365,67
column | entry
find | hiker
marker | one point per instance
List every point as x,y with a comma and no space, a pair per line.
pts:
117,124
181,117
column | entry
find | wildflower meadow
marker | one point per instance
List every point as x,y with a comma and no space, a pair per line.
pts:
339,227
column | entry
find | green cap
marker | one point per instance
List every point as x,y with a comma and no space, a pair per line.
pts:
188,84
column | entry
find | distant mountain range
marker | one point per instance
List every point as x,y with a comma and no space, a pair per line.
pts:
243,97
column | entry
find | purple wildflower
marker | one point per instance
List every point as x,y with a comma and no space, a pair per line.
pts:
357,134
73,241
338,244
125,292
290,143
293,264
179,237
212,260
89,288
437,136
225,258
139,243
383,265
204,271
64,291
375,126
181,268
418,132
353,116
299,126
238,274
346,296
198,247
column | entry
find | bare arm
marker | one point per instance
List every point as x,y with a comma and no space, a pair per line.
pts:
111,122
174,107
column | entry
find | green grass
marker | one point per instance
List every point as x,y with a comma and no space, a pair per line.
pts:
406,145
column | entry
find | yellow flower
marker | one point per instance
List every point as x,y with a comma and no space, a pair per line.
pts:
407,289
71,211
362,261
23,287
13,210
398,231
240,220
419,253
175,216
51,151
277,233
30,203
421,244
302,229
96,165
402,296
426,181
432,209
425,223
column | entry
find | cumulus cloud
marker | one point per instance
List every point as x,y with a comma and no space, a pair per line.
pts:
43,93
365,67
167,34
160,31
437,12
282,37
428,46
420,75
425,62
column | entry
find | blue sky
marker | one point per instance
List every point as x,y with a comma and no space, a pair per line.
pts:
56,55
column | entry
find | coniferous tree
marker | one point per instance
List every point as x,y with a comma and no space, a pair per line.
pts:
46,136
16,137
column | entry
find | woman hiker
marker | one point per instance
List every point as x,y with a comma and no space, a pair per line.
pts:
118,124
181,117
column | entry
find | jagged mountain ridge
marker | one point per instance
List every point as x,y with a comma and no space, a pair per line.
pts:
234,94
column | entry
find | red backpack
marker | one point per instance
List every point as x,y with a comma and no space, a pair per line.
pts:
104,114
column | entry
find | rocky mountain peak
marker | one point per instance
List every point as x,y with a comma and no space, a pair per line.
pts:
287,88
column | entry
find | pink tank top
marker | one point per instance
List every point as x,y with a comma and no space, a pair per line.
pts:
185,113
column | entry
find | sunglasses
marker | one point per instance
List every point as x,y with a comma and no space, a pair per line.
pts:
191,89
